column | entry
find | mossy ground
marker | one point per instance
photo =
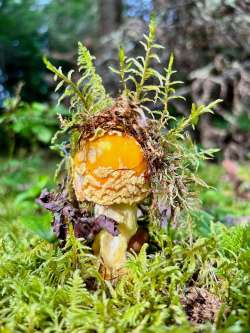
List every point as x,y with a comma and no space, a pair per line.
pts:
47,289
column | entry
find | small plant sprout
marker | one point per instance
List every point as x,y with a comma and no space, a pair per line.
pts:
122,158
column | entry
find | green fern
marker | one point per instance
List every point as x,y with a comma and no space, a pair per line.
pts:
93,89
167,93
139,70
123,70
141,67
192,120
87,95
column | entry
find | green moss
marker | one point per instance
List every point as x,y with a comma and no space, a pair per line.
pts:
46,289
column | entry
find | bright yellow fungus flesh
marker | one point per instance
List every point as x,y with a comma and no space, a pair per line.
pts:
117,152
110,169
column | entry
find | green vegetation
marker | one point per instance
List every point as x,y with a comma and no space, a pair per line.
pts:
224,201
27,125
141,110
29,28
48,289
194,273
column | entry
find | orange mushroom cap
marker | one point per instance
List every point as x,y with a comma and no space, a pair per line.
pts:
110,169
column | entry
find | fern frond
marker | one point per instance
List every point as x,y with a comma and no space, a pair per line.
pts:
87,95
139,70
144,71
123,70
71,89
191,120
93,89
167,93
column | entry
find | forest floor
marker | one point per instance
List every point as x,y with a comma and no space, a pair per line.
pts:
196,279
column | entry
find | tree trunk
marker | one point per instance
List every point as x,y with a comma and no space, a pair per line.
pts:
110,16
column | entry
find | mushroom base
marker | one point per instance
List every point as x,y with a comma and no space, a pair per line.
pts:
112,250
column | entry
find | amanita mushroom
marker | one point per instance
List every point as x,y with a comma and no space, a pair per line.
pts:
110,171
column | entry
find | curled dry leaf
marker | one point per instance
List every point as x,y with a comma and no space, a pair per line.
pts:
64,213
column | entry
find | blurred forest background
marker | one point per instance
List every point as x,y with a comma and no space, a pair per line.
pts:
210,40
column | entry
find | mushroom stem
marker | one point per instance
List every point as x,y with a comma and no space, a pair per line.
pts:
112,250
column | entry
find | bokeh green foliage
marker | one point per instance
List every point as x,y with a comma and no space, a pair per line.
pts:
23,184
220,200
27,125
29,28
21,46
